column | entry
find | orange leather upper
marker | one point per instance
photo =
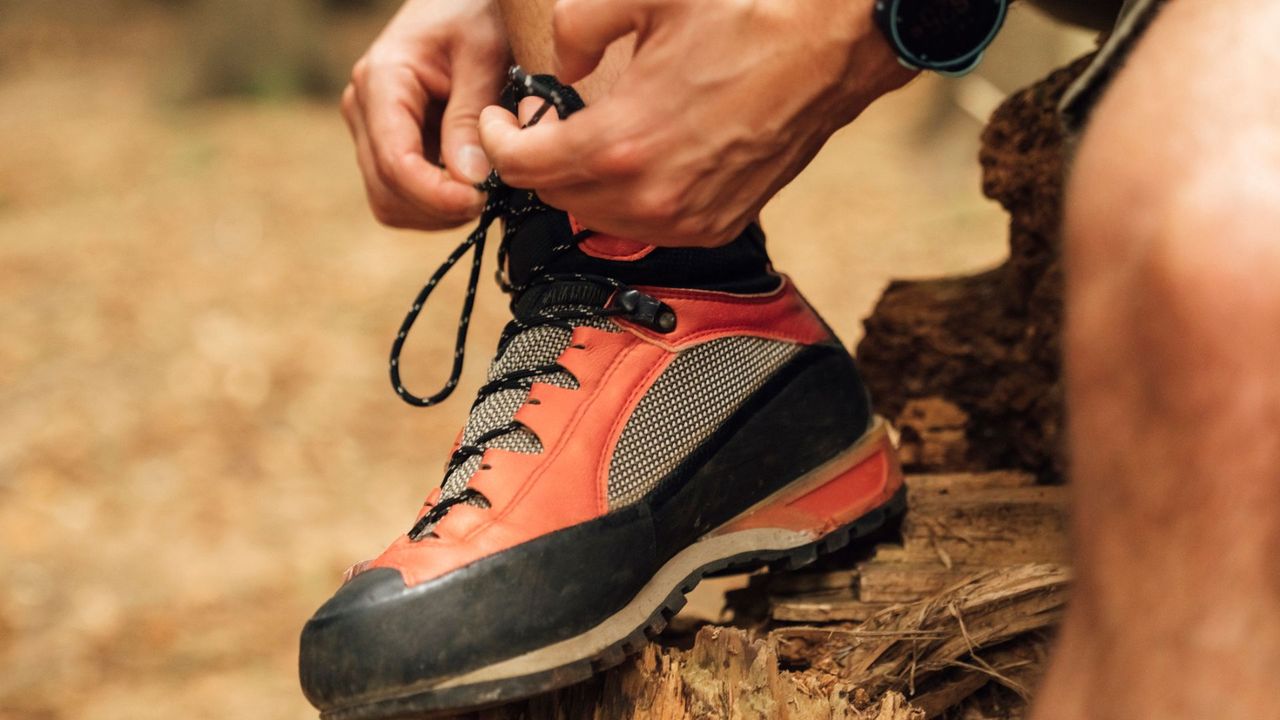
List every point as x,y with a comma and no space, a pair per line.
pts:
534,494
702,316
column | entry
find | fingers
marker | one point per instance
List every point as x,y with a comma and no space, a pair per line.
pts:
382,183
393,102
474,86
583,30
590,145
386,205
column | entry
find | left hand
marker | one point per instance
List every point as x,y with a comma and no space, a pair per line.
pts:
722,104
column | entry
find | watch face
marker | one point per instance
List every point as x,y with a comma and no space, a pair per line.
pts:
941,32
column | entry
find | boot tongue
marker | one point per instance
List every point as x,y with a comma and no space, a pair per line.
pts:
539,242
543,244
566,293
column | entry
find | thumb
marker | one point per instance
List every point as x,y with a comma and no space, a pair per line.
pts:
474,86
583,30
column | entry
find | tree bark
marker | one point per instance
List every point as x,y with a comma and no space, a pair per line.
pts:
968,368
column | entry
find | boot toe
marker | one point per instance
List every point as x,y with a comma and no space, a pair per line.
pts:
348,648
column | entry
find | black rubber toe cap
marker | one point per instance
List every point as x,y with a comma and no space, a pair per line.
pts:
376,638
367,590
345,644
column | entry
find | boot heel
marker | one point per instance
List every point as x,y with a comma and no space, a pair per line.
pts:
859,481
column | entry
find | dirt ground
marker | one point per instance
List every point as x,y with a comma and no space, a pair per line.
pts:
196,430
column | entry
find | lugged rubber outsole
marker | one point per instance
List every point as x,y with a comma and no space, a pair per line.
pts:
441,701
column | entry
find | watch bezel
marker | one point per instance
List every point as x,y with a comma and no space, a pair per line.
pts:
886,12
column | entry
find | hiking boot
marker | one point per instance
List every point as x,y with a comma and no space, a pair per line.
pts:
652,415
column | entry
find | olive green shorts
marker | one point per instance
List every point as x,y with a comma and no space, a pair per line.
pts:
1083,95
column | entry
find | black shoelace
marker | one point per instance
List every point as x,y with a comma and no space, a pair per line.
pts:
625,301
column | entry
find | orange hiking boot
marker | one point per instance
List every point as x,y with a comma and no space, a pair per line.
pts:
652,415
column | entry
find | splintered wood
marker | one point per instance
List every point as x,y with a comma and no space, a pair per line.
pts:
956,614
958,526
966,600
728,674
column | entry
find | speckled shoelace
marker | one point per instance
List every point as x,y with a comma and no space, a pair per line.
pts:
625,301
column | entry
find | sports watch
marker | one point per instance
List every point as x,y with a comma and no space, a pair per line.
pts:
946,36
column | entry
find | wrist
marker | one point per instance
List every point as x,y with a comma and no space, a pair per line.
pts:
871,67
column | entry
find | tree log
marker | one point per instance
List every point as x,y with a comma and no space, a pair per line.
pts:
968,368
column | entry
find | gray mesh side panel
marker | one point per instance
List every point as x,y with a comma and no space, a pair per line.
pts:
701,388
531,348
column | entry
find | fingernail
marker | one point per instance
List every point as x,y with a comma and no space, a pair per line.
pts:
473,164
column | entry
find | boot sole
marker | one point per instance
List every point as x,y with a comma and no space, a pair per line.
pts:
773,532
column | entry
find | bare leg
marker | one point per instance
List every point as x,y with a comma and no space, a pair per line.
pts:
529,29
1173,345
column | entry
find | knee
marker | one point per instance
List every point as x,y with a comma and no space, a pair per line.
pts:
1173,273
1192,240
1176,188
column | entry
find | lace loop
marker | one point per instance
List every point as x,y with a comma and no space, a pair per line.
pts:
474,242
522,85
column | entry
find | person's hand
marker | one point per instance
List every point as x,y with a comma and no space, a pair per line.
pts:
414,101
723,103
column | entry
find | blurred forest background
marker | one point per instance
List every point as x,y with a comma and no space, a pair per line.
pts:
196,430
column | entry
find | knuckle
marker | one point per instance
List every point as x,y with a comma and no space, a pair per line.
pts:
377,65
348,103
698,227
661,204
624,158
360,71
390,169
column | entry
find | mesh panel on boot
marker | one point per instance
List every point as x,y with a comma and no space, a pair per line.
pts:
536,346
701,388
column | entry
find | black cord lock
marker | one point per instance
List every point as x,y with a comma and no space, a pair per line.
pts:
645,310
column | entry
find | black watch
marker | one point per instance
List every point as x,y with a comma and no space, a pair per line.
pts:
946,36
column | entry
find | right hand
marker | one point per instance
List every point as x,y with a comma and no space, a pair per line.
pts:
722,104
415,97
